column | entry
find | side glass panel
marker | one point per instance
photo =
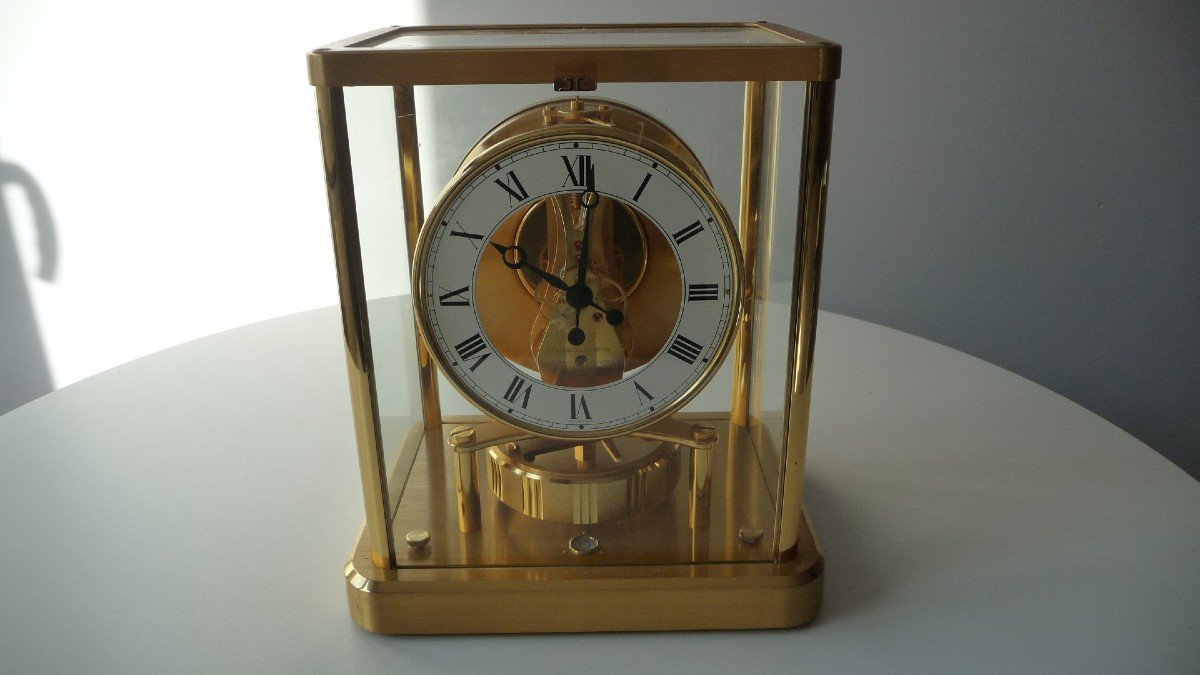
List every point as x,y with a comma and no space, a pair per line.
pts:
374,156
783,105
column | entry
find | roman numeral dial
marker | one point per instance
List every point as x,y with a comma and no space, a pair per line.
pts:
656,309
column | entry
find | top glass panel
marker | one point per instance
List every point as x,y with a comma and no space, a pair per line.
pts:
537,54
664,36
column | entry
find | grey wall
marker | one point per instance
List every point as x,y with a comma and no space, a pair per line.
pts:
1020,181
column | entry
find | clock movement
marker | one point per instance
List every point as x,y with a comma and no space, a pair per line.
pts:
580,394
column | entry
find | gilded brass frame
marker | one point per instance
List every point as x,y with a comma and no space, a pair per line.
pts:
386,599
798,56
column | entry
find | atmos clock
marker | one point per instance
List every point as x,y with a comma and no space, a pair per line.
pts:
621,442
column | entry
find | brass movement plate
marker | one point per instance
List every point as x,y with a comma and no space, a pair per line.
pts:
738,498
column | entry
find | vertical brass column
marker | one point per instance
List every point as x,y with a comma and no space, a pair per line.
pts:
343,218
748,235
700,490
466,478
814,183
414,216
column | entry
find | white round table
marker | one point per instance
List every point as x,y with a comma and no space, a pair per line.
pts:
193,510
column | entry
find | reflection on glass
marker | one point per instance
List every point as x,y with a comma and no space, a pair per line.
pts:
584,36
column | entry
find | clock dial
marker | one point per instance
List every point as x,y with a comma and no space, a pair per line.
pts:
577,286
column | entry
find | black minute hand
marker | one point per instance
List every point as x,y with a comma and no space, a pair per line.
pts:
523,261
589,200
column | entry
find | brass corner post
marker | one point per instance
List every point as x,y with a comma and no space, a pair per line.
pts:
414,215
814,182
700,492
748,235
339,186
466,478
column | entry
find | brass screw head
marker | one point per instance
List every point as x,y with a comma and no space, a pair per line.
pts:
463,435
417,538
750,536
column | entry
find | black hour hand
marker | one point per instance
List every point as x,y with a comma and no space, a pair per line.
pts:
515,258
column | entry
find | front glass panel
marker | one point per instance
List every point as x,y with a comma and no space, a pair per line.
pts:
642,500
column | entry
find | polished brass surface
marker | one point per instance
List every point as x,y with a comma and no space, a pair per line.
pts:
670,532
625,225
649,131
749,214
516,314
584,132
790,55
572,595
565,482
466,478
414,213
700,474
814,183
343,217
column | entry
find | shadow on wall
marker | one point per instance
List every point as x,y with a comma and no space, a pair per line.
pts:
24,371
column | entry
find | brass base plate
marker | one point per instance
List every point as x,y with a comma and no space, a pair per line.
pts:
738,497
679,566
562,599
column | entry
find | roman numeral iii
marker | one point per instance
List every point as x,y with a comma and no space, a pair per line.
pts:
685,350
702,292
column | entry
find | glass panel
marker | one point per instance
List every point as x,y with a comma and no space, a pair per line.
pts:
782,141
581,37
370,120
680,524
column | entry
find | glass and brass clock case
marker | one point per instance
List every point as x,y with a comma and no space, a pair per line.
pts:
580,380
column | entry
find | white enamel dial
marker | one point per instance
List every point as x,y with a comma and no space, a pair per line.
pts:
460,233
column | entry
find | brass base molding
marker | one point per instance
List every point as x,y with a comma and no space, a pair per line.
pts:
592,598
